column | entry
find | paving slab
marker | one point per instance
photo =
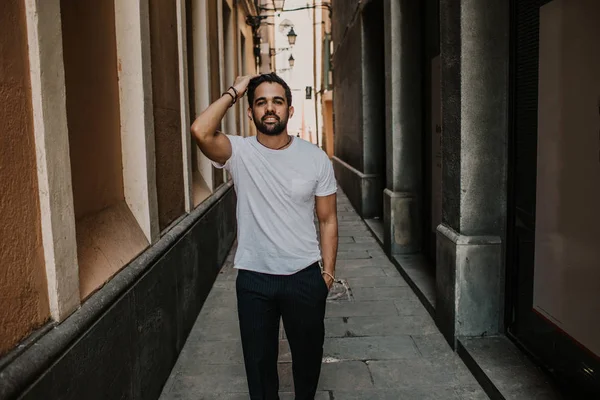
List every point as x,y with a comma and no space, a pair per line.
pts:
370,348
362,263
365,239
349,375
357,246
382,308
381,343
377,326
384,293
377,282
353,255
358,272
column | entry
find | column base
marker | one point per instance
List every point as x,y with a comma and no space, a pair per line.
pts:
401,222
363,190
469,285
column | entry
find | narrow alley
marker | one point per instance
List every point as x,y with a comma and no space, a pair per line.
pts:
464,139
381,344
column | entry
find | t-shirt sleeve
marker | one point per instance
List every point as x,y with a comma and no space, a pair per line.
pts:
326,184
236,144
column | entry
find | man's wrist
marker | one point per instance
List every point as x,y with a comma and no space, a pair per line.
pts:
235,93
230,96
329,274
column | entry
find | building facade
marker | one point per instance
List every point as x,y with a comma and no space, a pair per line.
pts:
114,224
466,134
326,91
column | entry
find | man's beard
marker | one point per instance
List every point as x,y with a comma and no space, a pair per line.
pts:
271,129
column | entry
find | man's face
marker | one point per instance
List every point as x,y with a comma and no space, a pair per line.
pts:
270,111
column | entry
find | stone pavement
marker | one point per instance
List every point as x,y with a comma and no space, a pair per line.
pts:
381,344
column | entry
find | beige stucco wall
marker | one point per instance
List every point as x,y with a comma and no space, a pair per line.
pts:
23,296
92,104
167,111
200,68
108,236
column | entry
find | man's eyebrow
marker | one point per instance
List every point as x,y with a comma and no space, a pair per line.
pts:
264,98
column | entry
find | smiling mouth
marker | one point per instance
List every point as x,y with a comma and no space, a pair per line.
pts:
270,119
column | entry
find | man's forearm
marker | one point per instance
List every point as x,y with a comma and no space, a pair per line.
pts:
329,244
207,123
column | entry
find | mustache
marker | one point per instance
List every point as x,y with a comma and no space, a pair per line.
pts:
270,115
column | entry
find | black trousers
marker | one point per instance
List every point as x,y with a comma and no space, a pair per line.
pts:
299,300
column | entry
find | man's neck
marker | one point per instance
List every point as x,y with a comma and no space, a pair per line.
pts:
274,142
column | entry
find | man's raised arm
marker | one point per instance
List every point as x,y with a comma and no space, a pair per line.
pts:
211,142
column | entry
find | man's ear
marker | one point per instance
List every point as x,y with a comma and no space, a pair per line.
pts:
291,111
250,113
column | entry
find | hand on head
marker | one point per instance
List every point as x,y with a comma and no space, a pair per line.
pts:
241,84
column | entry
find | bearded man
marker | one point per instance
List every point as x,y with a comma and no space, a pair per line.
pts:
282,273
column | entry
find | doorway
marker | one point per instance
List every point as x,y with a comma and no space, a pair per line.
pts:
553,261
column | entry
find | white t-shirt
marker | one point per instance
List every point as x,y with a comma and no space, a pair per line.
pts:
276,192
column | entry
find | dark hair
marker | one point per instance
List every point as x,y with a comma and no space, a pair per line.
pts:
270,78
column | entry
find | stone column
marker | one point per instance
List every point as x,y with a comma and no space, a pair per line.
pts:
470,266
403,106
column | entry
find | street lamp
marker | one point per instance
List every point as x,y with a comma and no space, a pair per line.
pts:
292,36
292,61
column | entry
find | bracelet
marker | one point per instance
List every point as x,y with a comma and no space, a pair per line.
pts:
327,273
233,99
237,94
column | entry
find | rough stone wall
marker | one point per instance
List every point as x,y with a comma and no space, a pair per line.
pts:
353,75
347,102
344,11
358,111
